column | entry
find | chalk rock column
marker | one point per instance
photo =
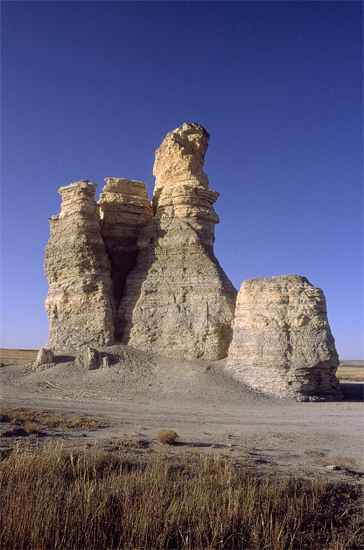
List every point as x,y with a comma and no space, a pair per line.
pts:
80,298
124,209
282,342
178,300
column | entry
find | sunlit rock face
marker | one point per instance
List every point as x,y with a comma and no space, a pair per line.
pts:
178,300
80,298
144,274
124,209
282,342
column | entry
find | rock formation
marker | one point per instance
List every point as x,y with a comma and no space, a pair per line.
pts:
92,359
282,343
44,360
79,302
177,300
124,209
144,274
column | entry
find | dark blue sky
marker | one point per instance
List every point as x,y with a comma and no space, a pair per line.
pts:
90,89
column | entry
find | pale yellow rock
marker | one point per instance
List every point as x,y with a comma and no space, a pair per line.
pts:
181,157
282,342
145,274
177,300
80,297
44,356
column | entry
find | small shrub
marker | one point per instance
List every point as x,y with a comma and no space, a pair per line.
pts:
167,437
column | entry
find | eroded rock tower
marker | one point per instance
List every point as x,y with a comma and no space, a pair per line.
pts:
79,302
178,300
127,270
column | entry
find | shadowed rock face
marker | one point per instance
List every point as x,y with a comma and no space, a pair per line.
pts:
79,302
177,300
124,209
282,343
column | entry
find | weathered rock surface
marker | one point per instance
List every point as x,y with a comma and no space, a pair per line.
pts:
282,343
177,300
124,209
45,359
80,298
93,359
144,274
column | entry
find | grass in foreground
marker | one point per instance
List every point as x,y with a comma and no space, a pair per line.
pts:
58,499
32,420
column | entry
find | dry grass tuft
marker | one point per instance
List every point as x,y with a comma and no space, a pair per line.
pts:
32,420
61,499
167,437
343,462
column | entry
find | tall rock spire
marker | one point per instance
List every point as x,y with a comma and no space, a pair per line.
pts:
79,302
177,300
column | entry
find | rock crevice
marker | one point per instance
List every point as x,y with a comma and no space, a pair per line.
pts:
124,209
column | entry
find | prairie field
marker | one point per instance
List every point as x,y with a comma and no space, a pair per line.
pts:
351,370
17,356
168,453
90,499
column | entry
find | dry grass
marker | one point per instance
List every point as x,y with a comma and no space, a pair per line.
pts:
352,371
94,500
167,437
352,374
343,462
32,420
17,356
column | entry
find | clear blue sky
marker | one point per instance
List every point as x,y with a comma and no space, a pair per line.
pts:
90,89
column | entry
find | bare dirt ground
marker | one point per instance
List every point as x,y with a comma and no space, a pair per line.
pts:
143,393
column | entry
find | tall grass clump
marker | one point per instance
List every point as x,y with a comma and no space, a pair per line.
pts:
60,499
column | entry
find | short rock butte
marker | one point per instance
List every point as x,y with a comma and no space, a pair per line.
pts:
282,343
